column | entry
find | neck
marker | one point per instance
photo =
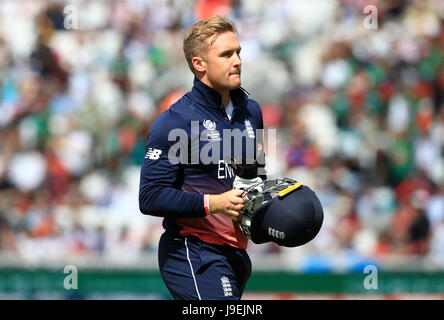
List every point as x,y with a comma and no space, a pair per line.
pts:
225,94
225,99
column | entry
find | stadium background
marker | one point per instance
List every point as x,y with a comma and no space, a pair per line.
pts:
359,115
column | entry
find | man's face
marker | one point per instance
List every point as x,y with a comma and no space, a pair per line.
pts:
222,62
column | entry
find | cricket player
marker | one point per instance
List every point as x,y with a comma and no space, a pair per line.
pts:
202,253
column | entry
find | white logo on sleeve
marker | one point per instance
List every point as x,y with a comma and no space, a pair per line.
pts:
153,154
226,286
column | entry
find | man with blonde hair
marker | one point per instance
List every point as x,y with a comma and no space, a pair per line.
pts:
202,253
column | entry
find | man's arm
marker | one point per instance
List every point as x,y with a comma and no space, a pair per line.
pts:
159,178
158,191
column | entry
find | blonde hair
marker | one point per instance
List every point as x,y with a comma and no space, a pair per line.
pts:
195,37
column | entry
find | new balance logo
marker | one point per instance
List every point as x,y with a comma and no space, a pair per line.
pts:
153,154
226,286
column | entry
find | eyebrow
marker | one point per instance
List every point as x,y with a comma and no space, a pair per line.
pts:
231,50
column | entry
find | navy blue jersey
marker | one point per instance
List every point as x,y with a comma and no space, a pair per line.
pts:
186,157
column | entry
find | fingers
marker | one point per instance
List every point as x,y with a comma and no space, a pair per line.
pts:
234,215
237,205
237,200
237,192
231,203
240,194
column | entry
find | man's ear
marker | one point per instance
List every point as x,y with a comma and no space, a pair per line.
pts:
199,64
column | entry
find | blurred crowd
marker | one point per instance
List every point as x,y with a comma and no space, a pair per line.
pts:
358,111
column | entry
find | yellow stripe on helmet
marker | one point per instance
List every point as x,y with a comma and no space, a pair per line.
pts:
289,189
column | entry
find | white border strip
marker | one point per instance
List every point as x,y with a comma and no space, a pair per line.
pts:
191,267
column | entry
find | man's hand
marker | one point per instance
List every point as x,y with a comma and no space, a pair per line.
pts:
229,203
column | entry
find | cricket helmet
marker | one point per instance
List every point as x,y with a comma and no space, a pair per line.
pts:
283,211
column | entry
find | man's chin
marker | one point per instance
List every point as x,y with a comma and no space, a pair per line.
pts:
234,84
229,85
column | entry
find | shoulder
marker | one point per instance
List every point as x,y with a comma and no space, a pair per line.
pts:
174,116
254,107
168,121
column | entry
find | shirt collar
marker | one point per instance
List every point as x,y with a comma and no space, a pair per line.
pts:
211,98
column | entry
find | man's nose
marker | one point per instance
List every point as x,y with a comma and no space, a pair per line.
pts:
237,60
